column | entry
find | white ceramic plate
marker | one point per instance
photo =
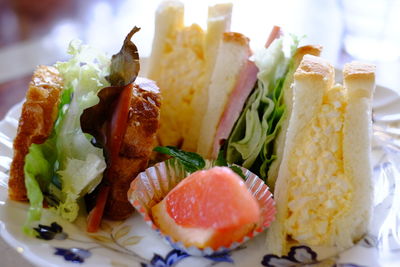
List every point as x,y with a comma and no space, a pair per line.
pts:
133,243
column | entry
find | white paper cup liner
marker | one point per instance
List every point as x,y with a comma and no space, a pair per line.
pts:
152,185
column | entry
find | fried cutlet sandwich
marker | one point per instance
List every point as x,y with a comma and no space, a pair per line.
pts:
87,128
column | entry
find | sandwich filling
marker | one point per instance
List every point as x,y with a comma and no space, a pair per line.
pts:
182,62
67,165
251,142
319,192
181,84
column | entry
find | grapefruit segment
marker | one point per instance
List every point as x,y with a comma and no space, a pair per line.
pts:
210,208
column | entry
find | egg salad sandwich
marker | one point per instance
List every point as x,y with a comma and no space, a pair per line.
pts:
87,128
181,61
323,192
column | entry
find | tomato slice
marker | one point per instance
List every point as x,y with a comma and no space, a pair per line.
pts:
95,215
118,123
116,131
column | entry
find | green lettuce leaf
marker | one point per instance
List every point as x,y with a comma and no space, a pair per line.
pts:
81,164
38,171
251,141
67,166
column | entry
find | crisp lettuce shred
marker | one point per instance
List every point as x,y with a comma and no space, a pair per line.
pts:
67,166
251,141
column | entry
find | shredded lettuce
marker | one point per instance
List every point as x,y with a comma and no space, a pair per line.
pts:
67,166
251,141
81,164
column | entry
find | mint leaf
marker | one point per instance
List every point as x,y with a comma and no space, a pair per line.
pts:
221,161
191,161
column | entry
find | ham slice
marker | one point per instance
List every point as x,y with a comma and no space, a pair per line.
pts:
232,82
234,76
275,34
244,86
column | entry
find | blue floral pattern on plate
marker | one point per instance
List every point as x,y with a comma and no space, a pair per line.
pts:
223,257
78,255
172,258
75,255
298,255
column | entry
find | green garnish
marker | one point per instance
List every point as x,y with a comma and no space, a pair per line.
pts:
221,161
194,162
191,161
236,169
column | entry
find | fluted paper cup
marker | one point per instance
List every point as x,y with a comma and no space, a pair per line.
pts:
152,185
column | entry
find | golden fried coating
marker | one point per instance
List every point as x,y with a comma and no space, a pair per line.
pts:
35,124
138,143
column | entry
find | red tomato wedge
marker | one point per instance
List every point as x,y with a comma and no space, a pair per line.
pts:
117,126
216,198
95,215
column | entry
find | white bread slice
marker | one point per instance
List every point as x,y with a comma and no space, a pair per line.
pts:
312,78
230,75
169,20
359,80
347,193
314,50
181,63
219,21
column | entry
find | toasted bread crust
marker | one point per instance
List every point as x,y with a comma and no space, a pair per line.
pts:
35,124
359,70
314,50
138,143
314,67
236,37
361,76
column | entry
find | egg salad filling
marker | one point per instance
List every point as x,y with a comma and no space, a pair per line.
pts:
319,192
179,84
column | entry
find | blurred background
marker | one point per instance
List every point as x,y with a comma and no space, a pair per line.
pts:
38,32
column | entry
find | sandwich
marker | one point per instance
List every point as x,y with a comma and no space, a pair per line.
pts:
181,61
87,128
248,107
89,125
229,101
277,112
323,192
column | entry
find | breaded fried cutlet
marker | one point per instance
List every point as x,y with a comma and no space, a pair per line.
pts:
138,143
35,124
